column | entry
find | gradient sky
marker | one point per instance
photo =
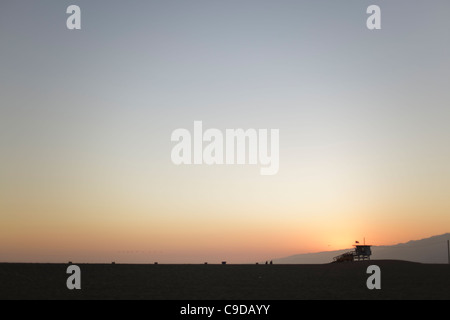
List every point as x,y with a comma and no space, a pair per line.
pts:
86,118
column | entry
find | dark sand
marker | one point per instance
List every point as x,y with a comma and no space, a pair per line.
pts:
399,280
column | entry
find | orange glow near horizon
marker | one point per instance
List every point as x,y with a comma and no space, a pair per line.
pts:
111,233
87,118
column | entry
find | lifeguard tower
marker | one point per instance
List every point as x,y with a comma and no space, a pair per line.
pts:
362,252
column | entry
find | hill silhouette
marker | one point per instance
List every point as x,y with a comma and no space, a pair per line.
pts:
428,250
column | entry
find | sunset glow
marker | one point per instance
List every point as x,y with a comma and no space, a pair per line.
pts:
86,119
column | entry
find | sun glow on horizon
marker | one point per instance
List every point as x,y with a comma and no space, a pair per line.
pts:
86,118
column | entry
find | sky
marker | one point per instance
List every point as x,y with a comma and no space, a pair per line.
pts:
86,118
